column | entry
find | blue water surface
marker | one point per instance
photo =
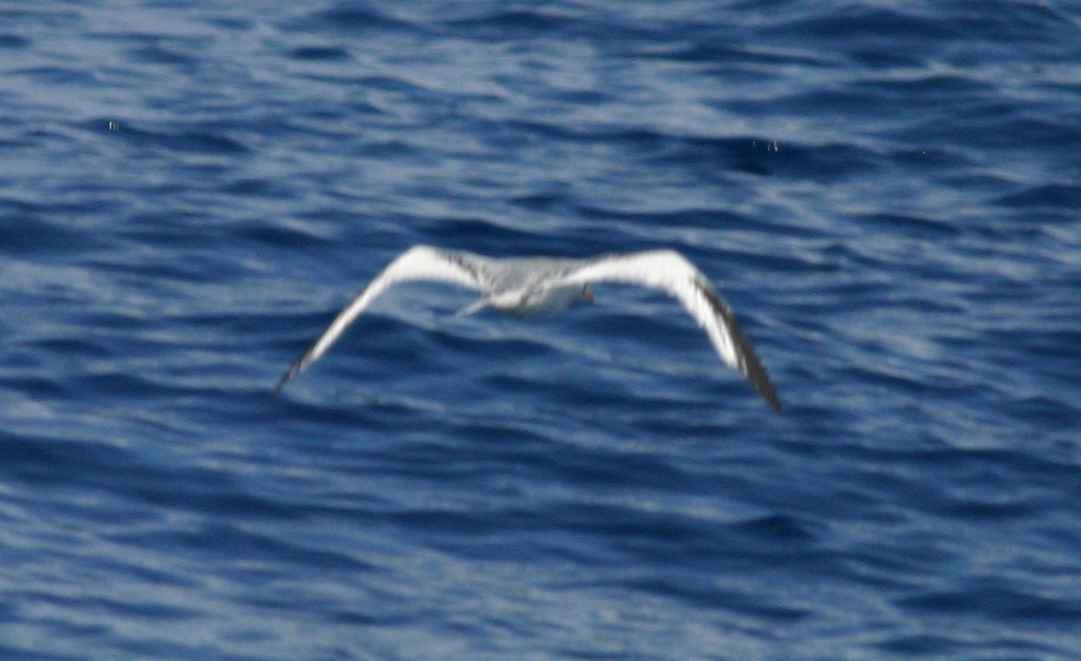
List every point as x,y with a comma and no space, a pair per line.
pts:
887,193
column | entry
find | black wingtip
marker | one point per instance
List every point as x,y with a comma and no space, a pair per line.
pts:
756,372
281,384
768,392
294,369
749,363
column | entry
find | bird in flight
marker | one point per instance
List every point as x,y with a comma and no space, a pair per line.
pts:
530,285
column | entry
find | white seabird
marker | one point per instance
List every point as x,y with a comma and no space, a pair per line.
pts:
529,285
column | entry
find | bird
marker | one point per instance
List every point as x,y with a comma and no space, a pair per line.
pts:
533,285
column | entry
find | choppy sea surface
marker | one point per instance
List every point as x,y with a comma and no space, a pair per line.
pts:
887,193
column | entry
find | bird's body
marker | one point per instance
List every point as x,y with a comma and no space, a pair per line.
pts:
533,285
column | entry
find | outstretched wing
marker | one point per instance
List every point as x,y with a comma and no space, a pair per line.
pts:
417,263
670,271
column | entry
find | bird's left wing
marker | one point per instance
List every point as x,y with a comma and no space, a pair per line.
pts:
671,272
417,263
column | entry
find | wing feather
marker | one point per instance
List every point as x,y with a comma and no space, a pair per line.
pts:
417,263
672,273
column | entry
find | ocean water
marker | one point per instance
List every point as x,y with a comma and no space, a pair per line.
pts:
887,193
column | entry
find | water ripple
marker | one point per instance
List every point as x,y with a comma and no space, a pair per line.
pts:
886,195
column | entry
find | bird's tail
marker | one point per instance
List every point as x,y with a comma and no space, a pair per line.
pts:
476,305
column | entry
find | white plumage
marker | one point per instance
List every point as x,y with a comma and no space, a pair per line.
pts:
539,284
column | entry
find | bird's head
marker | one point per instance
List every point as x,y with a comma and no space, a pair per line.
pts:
586,294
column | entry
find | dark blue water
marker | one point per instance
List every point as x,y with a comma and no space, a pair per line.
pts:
888,194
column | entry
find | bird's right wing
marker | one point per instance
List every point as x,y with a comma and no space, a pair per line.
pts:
672,273
417,263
